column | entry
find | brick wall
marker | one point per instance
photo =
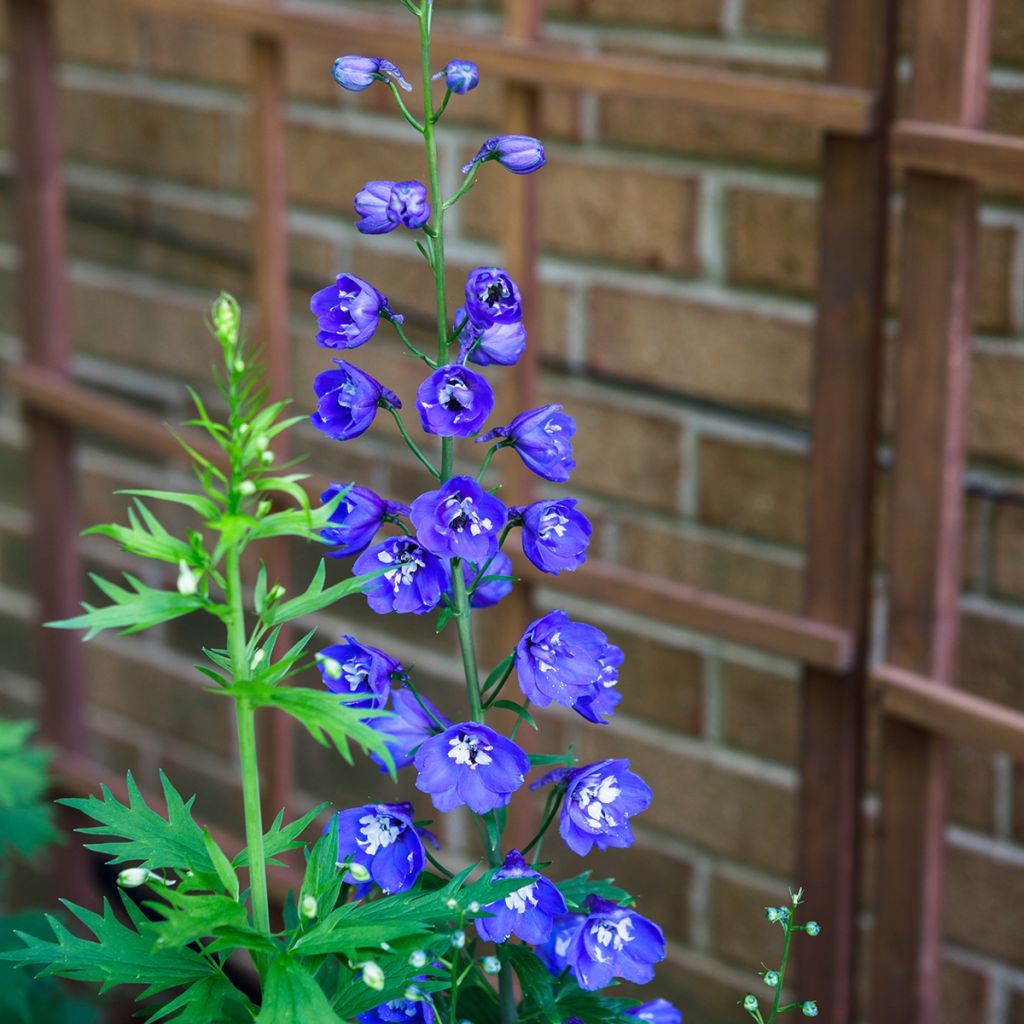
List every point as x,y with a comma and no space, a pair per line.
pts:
678,277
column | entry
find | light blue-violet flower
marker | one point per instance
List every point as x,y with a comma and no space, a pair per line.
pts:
414,581
347,401
599,801
495,343
520,154
399,1011
358,73
559,660
598,706
543,439
614,942
553,951
383,839
385,205
555,535
657,1011
459,520
358,671
454,401
348,312
470,764
527,913
413,721
356,518
459,75
489,590
492,297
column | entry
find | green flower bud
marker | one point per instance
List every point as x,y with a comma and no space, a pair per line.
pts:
451,903
132,878
812,928
332,668
418,958
373,976
359,871
458,939
188,582
247,487
809,1008
491,964
750,1003
308,907
771,979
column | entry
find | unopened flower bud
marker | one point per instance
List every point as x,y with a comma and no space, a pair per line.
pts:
226,315
774,914
418,958
239,365
243,428
373,976
460,76
264,506
257,659
267,458
771,979
812,928
308,907
329,666
750,1003
188,582
451,903
262,442
246,487
458,939
491,964
474,907
386,946
359,872
809,1008
276,592
413,993
132,878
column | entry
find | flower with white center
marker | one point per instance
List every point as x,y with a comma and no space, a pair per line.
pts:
528,912
381,840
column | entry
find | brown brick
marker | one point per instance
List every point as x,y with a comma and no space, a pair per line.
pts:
729,356
971,788
1008,32
740,933
696,15
594,212
800,19
759,491
760,712
997,415
100,32
991,653
195,51
1008,550
964,994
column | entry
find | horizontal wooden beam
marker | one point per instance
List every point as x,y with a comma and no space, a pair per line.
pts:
946,711
834,108
992,161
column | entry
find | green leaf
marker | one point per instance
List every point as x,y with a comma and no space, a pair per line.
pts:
148,538
225,872
538,760
500,672
576,890
26,817
27,829
281,838
316,597
199,504
212,999
511,705
191,916
292,996
535,980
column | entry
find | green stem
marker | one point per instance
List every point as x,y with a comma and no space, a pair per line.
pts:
403,108
782,967
462,189
413,447
544,825
464,625
487,459
413,350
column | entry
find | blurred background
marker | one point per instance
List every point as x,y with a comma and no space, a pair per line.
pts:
679,255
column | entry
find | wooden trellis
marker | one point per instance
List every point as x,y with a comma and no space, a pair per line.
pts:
946,157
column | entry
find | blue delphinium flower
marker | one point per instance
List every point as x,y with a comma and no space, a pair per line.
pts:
414,583
383,839
543,439
348,311
385,205
356,518
657,1011
599,801
352,668
413,721
347,401
459,520
491,592
470,764
520,154
553,951
399,1011
555,535
526,913
460,76
492,297
599,705
454,401
614,942
559,660
358,73
494,343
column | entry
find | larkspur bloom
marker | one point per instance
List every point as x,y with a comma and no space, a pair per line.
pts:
526,913
553,951
385,205
657,1011
347,401
520,154
614,942
358,670
348,311
383,839
414,582
411,723
599,801
492,297
459,520
399,1011
492,591
356,518
454,401
543,439
358,73
555,535
599,705
492,343
460,76
470,764
559,660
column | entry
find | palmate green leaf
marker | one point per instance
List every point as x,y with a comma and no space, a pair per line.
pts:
27,829
212,999
591,1007
316,597
191,916
576,890
280,838
26,817
142,834
292,996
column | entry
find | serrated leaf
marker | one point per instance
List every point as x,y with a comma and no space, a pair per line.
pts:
535,980
212,999
191,916
27,829
225,872
316,597
199,504
292,996
576,890
280,838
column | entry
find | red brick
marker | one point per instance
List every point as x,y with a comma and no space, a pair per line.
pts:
964,994
760,712
1008,550
971,788
997,415
695,15
1008,32
740,933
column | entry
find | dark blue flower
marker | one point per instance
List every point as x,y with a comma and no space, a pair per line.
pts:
599,801
470,764
414,582
553,951
399,1011
598,706
385,205
414,720
353,668
454,401
347,401
492,297
384,840
526,913
460,76
348,311
495,343
358,73
520,154
356,518
559,660
459,520
543,439
494,590
614,942
555,535
657,1011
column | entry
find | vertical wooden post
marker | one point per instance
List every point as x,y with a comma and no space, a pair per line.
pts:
950,60
844,432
